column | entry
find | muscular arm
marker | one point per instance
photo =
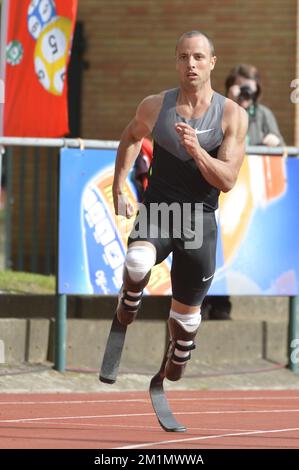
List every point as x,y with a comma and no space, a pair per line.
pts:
221,172
131,139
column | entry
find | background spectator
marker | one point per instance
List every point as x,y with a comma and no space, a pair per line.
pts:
243,85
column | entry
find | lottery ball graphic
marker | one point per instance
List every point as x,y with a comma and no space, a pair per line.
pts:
51,55
40,13
14,53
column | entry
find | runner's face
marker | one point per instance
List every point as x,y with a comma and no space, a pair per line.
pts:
194,62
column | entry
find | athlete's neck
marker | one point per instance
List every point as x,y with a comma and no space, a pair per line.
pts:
195,98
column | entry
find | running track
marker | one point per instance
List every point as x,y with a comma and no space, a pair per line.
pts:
215,420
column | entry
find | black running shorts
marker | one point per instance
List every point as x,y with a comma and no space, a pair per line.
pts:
193,266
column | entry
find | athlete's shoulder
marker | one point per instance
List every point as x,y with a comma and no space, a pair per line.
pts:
153,101
232,106
234,114
149,108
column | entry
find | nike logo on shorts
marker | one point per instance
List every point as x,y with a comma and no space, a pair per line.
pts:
197,131
205,279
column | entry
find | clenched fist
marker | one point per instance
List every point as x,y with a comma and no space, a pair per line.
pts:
122,205
188,138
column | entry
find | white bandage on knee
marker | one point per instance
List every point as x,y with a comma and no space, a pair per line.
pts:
189,321
139,261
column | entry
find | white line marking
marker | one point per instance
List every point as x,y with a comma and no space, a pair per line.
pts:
92,425
234,398
75,402
133,415
144,427
202,438
24,420
145,400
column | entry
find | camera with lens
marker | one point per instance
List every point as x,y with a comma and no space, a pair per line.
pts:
246,93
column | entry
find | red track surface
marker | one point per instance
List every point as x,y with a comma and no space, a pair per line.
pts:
230,419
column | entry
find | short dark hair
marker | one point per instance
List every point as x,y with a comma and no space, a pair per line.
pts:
191,34
246,71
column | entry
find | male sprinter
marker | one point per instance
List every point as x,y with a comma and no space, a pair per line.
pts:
199,145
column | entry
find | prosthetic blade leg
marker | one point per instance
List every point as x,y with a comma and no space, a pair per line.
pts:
126,312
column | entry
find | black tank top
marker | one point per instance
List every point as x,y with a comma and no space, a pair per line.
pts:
174,176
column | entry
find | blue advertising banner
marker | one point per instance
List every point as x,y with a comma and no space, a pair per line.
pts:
258,242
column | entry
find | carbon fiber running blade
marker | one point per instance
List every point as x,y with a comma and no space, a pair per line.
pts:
161,406
113,351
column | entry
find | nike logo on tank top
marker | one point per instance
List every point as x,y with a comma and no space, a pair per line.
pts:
174,176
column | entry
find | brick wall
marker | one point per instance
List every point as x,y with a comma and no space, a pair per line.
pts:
33,210
130,48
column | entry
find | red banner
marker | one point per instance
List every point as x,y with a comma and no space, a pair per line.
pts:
39,39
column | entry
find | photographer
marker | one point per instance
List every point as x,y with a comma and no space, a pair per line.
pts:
243,85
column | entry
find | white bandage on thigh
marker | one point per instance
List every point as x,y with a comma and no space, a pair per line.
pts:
139,261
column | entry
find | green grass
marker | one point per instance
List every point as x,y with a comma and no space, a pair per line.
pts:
26,283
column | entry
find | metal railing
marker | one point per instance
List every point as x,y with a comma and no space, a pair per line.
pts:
10,143
18,231
26,149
